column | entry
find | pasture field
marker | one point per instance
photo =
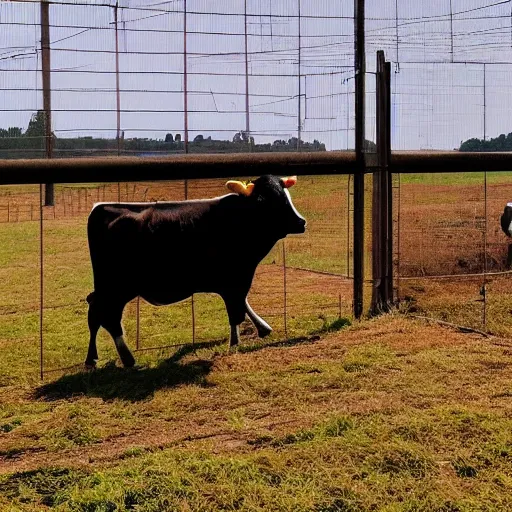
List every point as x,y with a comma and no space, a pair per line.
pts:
447,223
390,414
444,223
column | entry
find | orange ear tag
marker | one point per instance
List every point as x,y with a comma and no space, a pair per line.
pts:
289,181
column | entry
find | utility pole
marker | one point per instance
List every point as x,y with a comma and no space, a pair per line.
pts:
185,77
47,93
118,92
299,107
247,118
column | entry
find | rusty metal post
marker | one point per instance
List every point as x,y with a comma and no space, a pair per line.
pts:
41,285
382,212
285,292
185,77
483,290
377,277
137,325
348,223
49,198
192,300
388,177
247,116
118,92
360,65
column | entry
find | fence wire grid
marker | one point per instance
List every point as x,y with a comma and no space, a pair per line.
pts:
303,284
134,78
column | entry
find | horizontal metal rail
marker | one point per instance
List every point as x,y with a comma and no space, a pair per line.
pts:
407,162
195,166
202,166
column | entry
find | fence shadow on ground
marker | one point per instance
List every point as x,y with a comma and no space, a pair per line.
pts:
134,384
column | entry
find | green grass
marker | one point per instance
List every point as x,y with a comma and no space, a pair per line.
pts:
458,178
384,415
387,415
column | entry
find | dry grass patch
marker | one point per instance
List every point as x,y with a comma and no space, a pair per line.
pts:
390,414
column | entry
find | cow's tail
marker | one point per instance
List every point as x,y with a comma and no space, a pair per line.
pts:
90,298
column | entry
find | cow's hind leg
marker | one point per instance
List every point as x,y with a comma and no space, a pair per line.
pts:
111,321
235,307
94,325
261,326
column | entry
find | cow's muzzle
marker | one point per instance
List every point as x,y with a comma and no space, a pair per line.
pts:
299,227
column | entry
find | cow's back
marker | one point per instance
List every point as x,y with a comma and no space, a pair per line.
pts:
187,246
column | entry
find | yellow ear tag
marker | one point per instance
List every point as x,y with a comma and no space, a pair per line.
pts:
239,187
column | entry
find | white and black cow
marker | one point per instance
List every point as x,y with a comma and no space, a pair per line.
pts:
506,220
166,251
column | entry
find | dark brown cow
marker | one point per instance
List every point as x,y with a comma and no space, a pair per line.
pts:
165,252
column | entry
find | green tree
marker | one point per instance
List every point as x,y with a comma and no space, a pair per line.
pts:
37,125
501,143
11,132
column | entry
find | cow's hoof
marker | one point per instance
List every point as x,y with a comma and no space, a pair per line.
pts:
128,361
264,332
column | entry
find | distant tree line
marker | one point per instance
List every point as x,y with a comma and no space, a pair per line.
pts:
501,143
16,143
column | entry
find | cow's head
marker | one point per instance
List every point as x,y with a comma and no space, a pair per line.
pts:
271,198
506,220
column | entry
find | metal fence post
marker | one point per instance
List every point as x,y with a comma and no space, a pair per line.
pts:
285,293
360,66
388,176
41,285
382,210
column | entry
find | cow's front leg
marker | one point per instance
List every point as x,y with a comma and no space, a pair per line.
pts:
94,322
261,326
234,336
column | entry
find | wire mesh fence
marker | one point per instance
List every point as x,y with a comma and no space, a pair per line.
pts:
450,90
166,78
302,285
250,76
453,261
175,77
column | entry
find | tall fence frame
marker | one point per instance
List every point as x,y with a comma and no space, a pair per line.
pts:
384,165
128,169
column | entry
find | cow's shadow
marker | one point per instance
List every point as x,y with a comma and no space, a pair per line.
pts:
134,384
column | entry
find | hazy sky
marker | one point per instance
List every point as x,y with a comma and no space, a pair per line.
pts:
438,80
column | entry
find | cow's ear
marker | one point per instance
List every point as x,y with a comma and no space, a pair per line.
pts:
240,188
289,181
